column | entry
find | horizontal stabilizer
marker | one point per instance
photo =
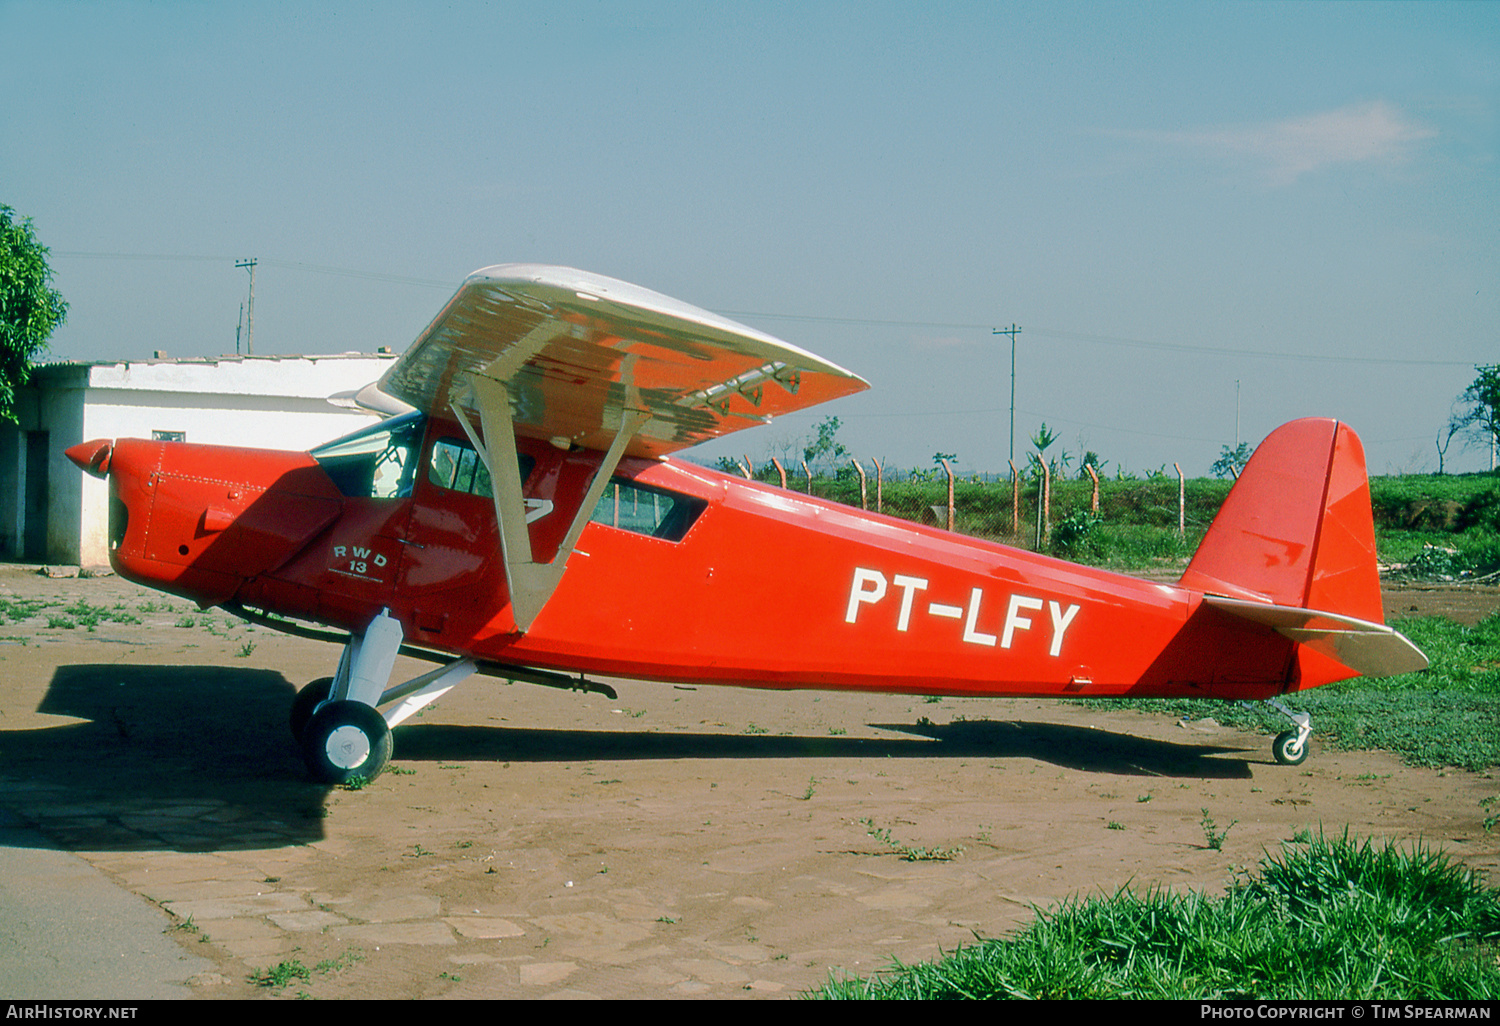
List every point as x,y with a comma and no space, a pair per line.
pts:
1371,649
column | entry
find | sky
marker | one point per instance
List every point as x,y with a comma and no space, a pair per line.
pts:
1207,219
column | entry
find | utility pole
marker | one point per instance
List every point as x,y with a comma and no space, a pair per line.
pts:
249,265
1012,331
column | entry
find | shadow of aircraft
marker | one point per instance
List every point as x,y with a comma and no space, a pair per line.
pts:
199,758
190,758
1082,748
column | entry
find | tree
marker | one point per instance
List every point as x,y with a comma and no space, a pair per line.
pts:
1445,438
1478,415
30,309
826,445
1091,459
1041,440
1231,461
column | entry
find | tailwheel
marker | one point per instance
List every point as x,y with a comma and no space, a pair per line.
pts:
306,703
1290,748
346,740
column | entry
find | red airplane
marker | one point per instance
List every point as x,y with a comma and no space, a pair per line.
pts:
525,522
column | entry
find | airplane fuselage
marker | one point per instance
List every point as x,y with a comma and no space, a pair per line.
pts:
683,574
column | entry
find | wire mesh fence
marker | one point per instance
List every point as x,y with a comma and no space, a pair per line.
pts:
1135,519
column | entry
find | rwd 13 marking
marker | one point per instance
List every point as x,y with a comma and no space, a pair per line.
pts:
360,561
870,588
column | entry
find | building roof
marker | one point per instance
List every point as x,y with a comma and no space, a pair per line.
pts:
311,376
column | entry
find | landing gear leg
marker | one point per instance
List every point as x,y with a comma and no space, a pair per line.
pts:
336,720
1290,746
342,734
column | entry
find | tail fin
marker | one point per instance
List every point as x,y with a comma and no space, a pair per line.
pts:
1296,529
1296,538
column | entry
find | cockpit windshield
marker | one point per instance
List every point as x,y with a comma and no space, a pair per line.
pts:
376,462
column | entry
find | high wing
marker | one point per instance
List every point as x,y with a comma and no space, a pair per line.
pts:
580,359
577,351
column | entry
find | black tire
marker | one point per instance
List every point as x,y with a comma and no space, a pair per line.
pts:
307,702
344,741
1286,749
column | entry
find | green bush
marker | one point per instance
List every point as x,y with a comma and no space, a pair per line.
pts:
1482,512
1430,502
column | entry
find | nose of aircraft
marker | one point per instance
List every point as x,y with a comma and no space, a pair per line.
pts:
92,457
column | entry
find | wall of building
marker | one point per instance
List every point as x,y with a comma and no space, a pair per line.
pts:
61,417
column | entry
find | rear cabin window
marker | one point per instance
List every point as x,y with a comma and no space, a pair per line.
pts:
456,466
631,507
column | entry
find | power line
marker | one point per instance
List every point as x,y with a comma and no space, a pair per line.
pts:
1056,333
1107,340
344,272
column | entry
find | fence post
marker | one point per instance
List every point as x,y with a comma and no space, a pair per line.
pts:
949,471
809,476
1046,502
864,502
1015,501
1040,505
780,470
745,469
879,486
1094,501
1181,503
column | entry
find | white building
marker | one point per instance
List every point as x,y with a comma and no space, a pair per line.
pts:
52,512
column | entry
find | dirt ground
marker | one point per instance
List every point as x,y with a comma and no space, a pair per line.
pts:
686,842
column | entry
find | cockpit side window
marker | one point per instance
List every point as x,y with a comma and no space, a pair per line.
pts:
652,511
456,466
377,462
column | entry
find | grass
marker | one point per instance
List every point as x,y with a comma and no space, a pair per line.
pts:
1443,716
80,613
290,970
1212,835
906,851
281,974
14,610
1334,919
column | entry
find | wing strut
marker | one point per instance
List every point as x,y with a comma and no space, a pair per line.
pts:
532,583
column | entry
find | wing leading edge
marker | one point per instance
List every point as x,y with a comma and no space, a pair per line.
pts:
576,351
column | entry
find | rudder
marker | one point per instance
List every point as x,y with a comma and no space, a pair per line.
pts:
1297,528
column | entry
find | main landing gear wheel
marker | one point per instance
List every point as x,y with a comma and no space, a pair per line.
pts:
307,702
1290,748
344,741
